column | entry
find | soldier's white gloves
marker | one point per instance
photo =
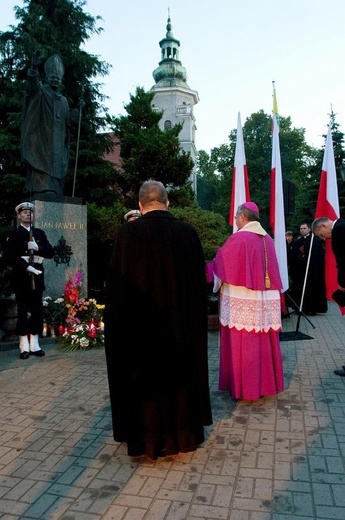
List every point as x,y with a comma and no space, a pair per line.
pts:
31,269
32,245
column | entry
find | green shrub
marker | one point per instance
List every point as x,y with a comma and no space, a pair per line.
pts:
211,227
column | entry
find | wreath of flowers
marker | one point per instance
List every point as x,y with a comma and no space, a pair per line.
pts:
82,336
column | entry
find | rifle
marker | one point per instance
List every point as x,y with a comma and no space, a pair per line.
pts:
32,256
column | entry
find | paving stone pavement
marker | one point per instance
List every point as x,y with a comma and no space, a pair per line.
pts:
279,458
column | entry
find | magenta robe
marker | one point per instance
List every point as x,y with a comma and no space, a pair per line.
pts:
250,356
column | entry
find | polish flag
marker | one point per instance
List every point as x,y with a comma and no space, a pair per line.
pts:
240,185
277,219
328,206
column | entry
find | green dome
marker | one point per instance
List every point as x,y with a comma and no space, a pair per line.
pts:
170,71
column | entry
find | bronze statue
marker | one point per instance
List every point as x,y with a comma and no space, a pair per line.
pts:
45,131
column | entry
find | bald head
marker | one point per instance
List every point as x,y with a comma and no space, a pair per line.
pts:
152,195
322,227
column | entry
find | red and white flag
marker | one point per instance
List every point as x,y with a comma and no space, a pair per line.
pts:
240,185
277,218
328,206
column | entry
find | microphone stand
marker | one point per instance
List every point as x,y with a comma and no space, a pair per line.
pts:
297,335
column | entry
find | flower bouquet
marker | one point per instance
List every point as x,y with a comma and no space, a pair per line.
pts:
82,328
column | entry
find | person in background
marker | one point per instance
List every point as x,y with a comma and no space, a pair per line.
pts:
131,215
334,230
247,275
156,332
314,300
289,238
25,249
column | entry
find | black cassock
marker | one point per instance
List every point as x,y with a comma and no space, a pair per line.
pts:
156,336
314,300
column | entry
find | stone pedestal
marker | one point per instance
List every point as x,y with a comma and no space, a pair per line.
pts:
8,318
64,220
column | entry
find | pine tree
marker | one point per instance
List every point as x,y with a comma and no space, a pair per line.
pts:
148,152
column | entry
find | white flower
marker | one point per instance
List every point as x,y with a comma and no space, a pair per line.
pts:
84,342
79,328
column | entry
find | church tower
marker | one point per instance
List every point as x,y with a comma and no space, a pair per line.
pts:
173,96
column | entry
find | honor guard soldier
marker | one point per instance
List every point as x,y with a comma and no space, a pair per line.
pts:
25,249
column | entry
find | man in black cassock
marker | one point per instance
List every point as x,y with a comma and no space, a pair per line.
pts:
156,332
314,300
325,228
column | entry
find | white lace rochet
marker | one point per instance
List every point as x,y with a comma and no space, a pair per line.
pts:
252,311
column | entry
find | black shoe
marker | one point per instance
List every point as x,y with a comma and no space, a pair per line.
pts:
343,367
39,353
339,373
24,355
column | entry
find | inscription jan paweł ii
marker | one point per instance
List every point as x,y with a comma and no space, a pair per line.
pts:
62,225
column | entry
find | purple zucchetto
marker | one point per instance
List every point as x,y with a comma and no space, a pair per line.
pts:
252,206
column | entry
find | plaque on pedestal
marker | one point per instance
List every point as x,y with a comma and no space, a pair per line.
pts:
64,220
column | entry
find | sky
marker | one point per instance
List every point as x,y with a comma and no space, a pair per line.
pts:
232,51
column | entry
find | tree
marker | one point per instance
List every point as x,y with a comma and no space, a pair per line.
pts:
214,173
310,184
210,226
148,152
205,177
216,170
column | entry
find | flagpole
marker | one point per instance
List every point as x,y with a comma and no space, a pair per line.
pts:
240,185
328,206
277,218
275,103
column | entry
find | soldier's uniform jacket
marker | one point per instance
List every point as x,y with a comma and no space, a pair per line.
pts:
17,255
